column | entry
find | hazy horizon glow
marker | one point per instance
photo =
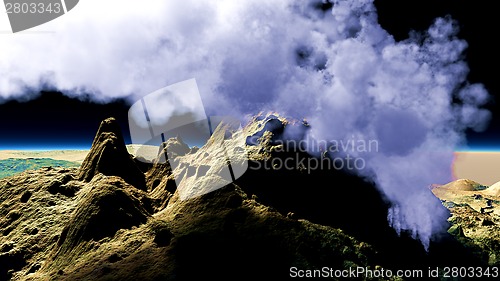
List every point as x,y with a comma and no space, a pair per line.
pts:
49,147
480,149
479,166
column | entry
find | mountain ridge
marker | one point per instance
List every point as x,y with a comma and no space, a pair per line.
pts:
106,223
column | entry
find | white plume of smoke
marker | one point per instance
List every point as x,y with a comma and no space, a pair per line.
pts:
339,69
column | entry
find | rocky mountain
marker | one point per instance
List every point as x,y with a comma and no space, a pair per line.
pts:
475,216
119,218
109,156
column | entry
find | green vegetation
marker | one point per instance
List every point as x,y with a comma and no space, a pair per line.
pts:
10,167
480,187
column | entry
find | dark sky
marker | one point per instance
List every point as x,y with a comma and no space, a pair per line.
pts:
55,121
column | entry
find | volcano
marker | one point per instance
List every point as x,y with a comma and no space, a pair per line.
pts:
119,218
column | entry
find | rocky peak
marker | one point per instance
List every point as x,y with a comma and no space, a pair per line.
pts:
173,148
110,157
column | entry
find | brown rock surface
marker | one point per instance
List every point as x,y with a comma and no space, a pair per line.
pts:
103,222
110,157
475,216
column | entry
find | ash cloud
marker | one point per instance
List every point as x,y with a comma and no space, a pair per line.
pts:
332,64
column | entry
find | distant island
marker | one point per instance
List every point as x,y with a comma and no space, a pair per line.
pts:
13,162
13,166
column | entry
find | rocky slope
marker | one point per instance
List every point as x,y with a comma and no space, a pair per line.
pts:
118,218
475,216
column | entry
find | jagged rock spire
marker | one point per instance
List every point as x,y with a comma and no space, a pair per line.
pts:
110,157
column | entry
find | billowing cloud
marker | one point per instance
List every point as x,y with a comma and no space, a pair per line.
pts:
336,67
